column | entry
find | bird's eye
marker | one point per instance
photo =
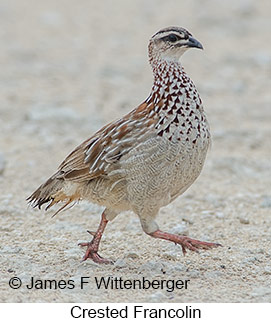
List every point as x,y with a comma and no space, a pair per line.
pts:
172,38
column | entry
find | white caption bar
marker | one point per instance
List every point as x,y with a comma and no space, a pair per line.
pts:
119,312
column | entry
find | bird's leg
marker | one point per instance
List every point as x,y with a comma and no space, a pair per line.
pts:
93,245
185,242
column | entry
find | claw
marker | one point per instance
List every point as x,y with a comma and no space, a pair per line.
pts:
83,244
92,253
91,233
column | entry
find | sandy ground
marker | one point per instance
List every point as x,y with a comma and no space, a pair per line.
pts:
69,67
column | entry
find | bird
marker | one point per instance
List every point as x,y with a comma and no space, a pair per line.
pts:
144,160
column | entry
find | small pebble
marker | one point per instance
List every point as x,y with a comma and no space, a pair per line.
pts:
132,255
220,215
244,220
186,220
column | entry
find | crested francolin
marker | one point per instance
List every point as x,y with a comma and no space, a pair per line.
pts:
144,160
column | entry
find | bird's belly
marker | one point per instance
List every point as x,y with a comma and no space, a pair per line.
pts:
164,172
184,172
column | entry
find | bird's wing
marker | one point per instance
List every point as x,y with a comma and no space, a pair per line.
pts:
100,154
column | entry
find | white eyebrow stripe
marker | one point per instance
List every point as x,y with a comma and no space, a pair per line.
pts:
174,33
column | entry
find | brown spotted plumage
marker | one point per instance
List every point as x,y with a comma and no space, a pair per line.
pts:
144,160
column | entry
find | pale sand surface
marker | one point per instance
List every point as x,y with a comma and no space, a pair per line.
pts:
69,67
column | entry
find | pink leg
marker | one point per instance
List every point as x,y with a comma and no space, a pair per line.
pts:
93,246
185,242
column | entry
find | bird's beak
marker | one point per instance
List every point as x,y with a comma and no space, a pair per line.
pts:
192,42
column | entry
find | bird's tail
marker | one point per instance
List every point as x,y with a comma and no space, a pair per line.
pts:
51,192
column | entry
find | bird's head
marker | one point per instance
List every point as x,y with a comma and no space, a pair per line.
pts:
170,43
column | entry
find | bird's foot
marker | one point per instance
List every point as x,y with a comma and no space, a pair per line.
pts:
93,245
195,245
92,253
185,242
